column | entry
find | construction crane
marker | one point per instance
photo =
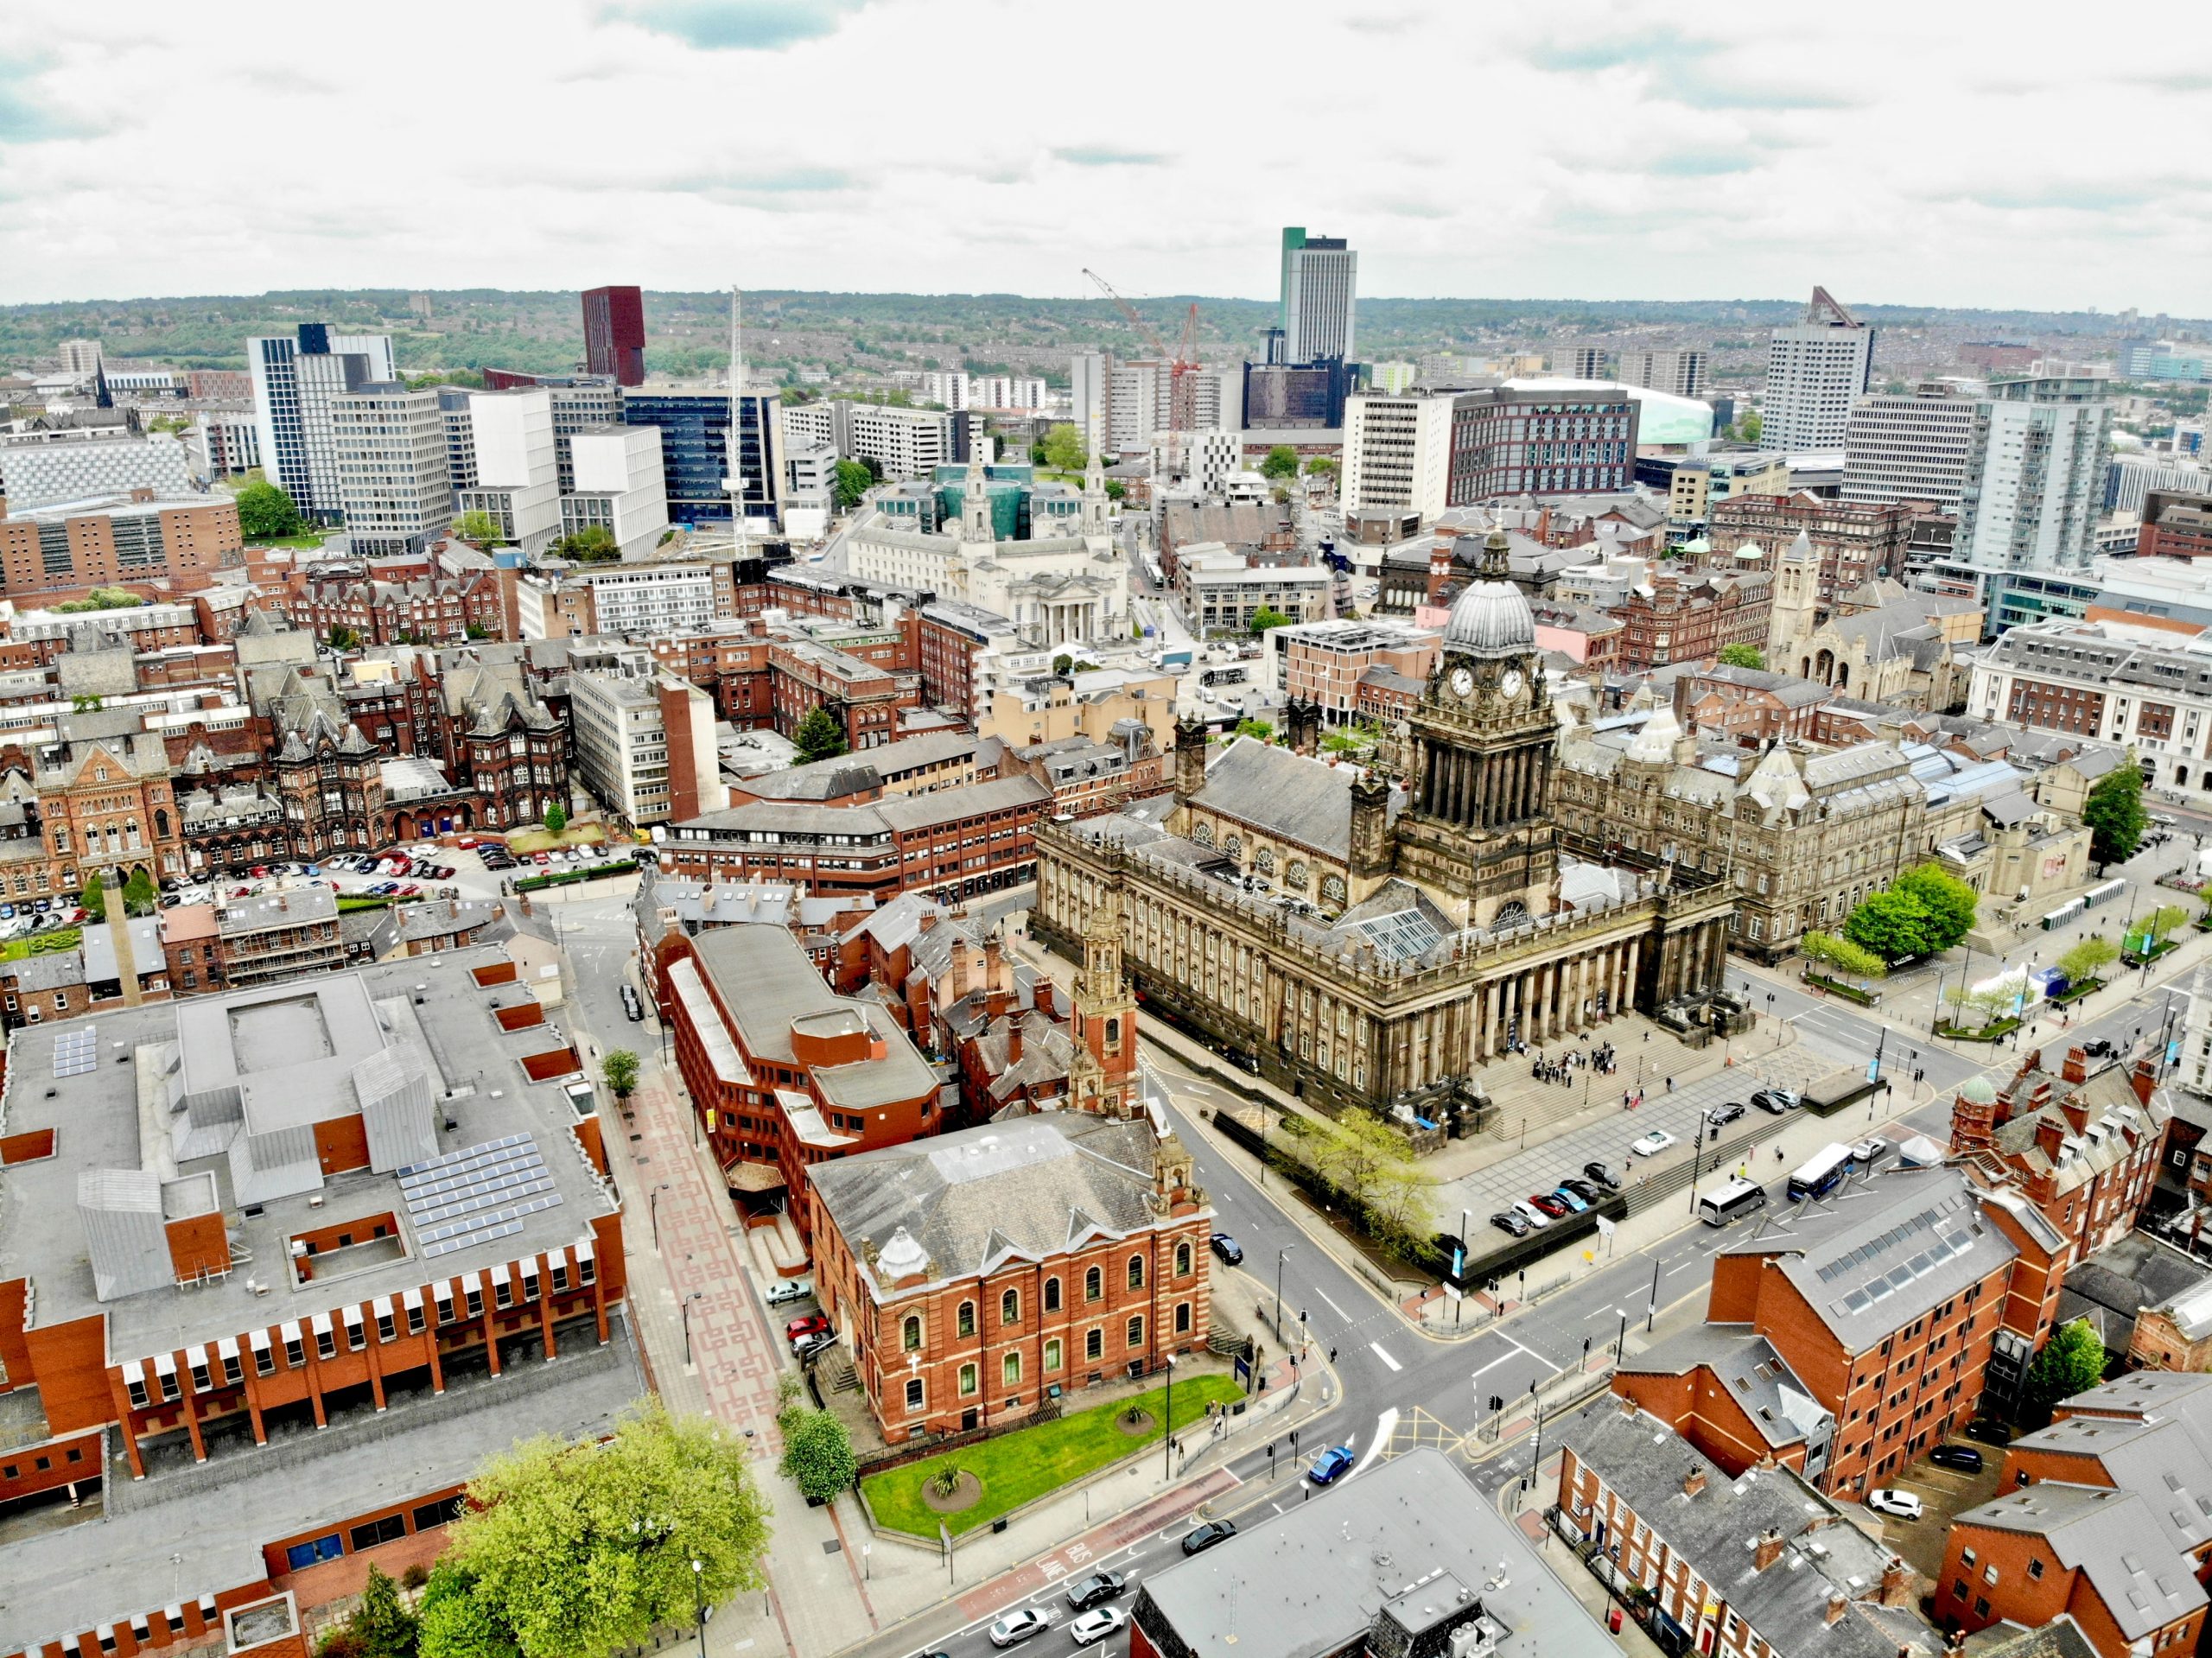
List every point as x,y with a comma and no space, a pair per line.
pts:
1182,367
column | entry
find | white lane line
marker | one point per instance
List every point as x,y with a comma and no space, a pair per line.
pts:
1692,1261
1385,1425
1492,1365
1534,1354
1333,1307
1377,1349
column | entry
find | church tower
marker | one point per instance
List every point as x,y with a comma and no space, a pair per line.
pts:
1796,599
1103,1078
1479,827
1095,500
975,504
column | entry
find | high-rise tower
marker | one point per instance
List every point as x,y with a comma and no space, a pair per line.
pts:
1319,290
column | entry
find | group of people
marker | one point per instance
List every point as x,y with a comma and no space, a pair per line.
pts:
1561,1070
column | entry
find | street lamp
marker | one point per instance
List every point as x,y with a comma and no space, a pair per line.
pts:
1280,1254
1459,1269
695,1295
652,1207
699,1595
1167,1431
1620,1344
1697,1154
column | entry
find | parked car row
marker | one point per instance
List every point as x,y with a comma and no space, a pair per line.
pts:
1575,1195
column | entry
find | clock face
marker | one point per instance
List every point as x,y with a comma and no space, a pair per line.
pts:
1511,683
1462,681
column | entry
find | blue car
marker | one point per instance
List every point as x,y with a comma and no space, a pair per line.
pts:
1570,1200
1331,1465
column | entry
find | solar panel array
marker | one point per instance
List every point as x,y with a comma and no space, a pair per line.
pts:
1941,1249
476,1194
75,1053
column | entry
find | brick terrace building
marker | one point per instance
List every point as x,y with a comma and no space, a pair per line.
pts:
1856,541
1087,777
782,1070
440,610
1323,662
969,1273
204,1305
1760,1567
1891,1367
955,843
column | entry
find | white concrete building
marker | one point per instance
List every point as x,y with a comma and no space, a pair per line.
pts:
947,386
650,598
1397,452
1222,591
1910,448
518,483
810,423
582,404
294,380
1815,369
904,443
1320,290
42,468
2035,476
389,449
621,740
1088,398
80,359
619,486
224,441
1685,373
2131,477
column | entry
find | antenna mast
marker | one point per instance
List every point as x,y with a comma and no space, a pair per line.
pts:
739,536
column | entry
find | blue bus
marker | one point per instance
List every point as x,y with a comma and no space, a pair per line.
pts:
1821,1175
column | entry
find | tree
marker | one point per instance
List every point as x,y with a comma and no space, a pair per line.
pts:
2071,1362
817,1454
1064,448
267,513
851,482
1063,664
2114,813
1750,426
139,895
1281,463
594,543
344,638
819,737
1842,955
1259,728
1116,490
1894,926
1268,616
1743,656
556,817
478,631
2082,963
576,1550
451,1623
383,1627
93,899
480,529
1322,467
619,1070
2153,927
1952,905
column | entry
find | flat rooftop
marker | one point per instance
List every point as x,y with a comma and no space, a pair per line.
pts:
294,1052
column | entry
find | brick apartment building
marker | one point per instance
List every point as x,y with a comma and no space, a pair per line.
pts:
1761,1567
955,843
2175,526
1323,662
1750,706
1884,1312
1087,779
782,1070
864,698
436,610
963,1295
279,1320
2084,1147
1856,541
1692,618
54,551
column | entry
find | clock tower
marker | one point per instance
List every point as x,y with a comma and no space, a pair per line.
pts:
1479,826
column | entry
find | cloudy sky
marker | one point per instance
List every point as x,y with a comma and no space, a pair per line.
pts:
1962,153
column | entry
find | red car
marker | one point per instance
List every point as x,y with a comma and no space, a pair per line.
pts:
813,1324
1551,1205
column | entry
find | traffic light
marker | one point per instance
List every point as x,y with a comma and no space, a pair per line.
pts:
1498,1401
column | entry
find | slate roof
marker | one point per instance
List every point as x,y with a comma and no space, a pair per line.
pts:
1715,1532
1280,793
1032,1189
2060,1638
1882,1250
2113,1538
2162,1462
1757,1378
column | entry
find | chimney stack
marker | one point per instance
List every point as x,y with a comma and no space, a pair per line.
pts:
1837,1602
2075,1069
2144,1079
1768,1551
1013,1043
1897,1584
1693,1481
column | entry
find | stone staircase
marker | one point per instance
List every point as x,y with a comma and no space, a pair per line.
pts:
1542,1108
844,1378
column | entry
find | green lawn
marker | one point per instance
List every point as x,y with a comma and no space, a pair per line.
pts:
286,541
1018,1468
17,950
544,840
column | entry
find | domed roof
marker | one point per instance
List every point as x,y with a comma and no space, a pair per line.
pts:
1490,619
1977,1090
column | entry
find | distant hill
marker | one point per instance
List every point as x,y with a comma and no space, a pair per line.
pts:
687,332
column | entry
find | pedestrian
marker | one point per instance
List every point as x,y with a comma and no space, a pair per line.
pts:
1670,1085
1332,1356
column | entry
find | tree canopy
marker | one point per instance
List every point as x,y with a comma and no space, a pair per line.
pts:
2084,960
2114,813
1064,448
1951,904
2072,1360
1268,616
556,817
574,1551
1743,656
1842,955
619,1070
1894,926
852,481
267,513
819,736
817,1452
1281,463
595,541
480,530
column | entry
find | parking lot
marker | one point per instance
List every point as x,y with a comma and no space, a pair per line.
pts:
1942,1492
428,870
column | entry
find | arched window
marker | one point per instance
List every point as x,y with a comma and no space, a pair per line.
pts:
967,1380
1202,835
1136,1271
966,1324
1182,1318
1136,1330
1114,1023
1052,1295
1010,1370
1094,1284
1234,846
910,1335
1094,1343
1183,1260
1295,875
161,824
1332,890
1010,1307
1052,1356
1264,860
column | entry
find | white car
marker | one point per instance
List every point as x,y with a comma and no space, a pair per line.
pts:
1018,1626
1654,1143
1097,1624
1528,1212
1904,1504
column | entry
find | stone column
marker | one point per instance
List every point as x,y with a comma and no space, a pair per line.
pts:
1635,968
1481,818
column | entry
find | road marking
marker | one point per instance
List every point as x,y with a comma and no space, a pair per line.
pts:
1385,1425
1492,1365
1333,1307
1532,1353
1376,1348
1671,1271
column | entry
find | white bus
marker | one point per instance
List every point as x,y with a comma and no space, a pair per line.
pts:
1733,1202
1821,1175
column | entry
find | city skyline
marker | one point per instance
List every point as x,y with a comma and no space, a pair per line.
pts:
1615,158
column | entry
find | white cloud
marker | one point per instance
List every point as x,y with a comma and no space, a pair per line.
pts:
1598,149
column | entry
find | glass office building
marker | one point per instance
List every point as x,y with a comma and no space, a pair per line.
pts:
695,451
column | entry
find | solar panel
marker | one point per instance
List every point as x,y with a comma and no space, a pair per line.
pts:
460,1198
75,1053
